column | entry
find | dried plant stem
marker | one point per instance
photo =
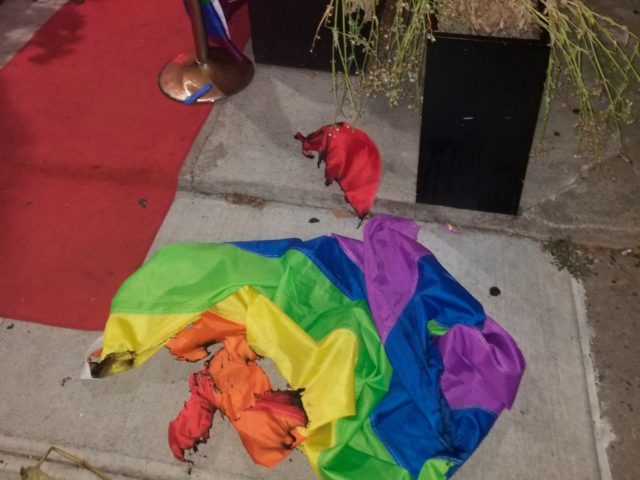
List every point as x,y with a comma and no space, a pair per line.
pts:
597,55
74,459
354,31
386,53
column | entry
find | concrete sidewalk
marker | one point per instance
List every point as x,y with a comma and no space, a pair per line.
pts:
246,148
120,423
18,22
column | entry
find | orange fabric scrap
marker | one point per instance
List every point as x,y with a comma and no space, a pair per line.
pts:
274,416
192,342
234,384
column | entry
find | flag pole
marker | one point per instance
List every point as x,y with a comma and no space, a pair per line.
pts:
206,74
199,32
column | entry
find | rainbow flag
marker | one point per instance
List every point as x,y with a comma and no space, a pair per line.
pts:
215,24
403,372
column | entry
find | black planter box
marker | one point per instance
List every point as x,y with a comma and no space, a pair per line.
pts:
481,103
282,33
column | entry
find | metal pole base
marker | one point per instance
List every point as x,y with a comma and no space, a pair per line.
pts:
184,75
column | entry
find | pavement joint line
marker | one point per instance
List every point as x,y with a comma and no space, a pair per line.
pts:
590,226
190,165
33,450
571,185
437,216
602,432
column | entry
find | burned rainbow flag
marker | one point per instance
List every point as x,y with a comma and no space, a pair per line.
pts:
395,370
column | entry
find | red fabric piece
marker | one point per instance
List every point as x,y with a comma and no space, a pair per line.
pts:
282,403
90,151
352,160
196,418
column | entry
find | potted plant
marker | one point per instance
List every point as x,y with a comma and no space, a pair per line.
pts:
478,70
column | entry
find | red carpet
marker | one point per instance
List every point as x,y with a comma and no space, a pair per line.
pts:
90,151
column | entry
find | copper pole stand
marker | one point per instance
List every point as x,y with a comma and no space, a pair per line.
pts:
189,72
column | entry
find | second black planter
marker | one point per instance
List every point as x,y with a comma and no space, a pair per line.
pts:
282,33
481,103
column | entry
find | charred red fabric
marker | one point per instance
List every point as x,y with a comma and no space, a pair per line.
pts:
352,160
196,418
239,388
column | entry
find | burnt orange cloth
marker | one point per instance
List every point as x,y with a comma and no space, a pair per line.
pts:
352,160
233,383
192,342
